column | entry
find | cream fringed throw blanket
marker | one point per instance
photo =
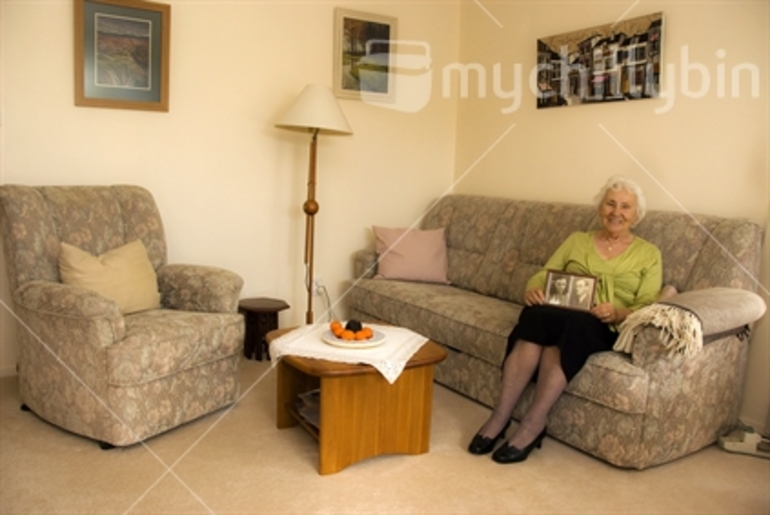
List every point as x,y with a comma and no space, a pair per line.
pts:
681,330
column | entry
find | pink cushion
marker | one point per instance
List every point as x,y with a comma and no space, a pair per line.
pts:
411,254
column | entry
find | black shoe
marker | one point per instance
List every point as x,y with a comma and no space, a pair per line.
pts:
484,444
509,454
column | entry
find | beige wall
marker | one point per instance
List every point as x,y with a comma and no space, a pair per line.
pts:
704,155
230,185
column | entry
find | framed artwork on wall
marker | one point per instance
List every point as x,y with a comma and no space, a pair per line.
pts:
608,63
573,291
122,54
363,54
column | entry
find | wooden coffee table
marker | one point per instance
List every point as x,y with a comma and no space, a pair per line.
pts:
361,414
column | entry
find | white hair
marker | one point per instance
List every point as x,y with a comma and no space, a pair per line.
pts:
618,183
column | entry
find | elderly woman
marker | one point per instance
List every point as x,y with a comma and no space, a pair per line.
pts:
551,344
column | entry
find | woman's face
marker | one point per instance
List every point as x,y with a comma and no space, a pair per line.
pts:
618,211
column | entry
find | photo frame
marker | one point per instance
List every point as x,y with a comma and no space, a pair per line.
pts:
122,54
572,291
363,55
614,62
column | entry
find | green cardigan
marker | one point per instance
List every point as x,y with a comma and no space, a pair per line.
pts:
631,280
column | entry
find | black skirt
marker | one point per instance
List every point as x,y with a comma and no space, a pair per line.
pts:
578,334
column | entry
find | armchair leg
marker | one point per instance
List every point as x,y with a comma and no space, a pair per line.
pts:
102,445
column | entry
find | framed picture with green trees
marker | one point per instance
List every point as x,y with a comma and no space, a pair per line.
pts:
363,54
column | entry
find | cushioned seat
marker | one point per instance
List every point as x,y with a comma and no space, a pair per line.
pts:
464,320
114,343
163,342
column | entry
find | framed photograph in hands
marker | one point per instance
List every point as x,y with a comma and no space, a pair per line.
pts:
572,291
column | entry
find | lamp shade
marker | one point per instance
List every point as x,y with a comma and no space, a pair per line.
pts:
315,108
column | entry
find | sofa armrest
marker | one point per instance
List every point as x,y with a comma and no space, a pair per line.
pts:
67,311
650,350
721,309
680,325
365,263
199,288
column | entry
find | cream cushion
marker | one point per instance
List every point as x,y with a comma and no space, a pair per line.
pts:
412,254
123,274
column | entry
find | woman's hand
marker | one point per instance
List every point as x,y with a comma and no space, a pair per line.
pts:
534,297
606,312
609,314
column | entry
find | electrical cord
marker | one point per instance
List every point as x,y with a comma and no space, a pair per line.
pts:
327,300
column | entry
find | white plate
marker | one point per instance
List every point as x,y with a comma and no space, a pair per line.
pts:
374,341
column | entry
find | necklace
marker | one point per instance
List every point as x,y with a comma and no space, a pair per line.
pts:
610,242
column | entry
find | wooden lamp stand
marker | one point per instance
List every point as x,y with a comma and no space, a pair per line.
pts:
310,207
316,110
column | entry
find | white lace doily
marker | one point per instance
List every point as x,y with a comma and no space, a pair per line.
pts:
389,358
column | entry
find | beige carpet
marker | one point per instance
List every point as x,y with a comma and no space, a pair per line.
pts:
236,461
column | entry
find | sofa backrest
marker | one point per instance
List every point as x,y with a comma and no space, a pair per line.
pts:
35,220
495,245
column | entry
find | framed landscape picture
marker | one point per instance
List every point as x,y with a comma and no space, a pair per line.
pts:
573,291
363,54
608,63
122,54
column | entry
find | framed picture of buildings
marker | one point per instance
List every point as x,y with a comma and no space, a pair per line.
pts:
363,55
607,63
122,54
572,291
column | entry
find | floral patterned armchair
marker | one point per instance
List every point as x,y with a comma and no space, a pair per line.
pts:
84,365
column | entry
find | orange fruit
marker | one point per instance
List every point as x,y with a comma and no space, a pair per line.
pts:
336,328
348,335
368,333
361,335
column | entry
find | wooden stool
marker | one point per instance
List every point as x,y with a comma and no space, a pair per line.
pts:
261,316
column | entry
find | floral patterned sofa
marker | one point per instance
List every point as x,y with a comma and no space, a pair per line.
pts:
84,365
632,410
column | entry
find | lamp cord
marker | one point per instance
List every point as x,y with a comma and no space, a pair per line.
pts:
329,311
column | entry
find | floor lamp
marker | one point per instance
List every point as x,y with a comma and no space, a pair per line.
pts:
315,110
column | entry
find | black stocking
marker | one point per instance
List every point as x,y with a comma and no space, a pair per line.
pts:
519,366
551,382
